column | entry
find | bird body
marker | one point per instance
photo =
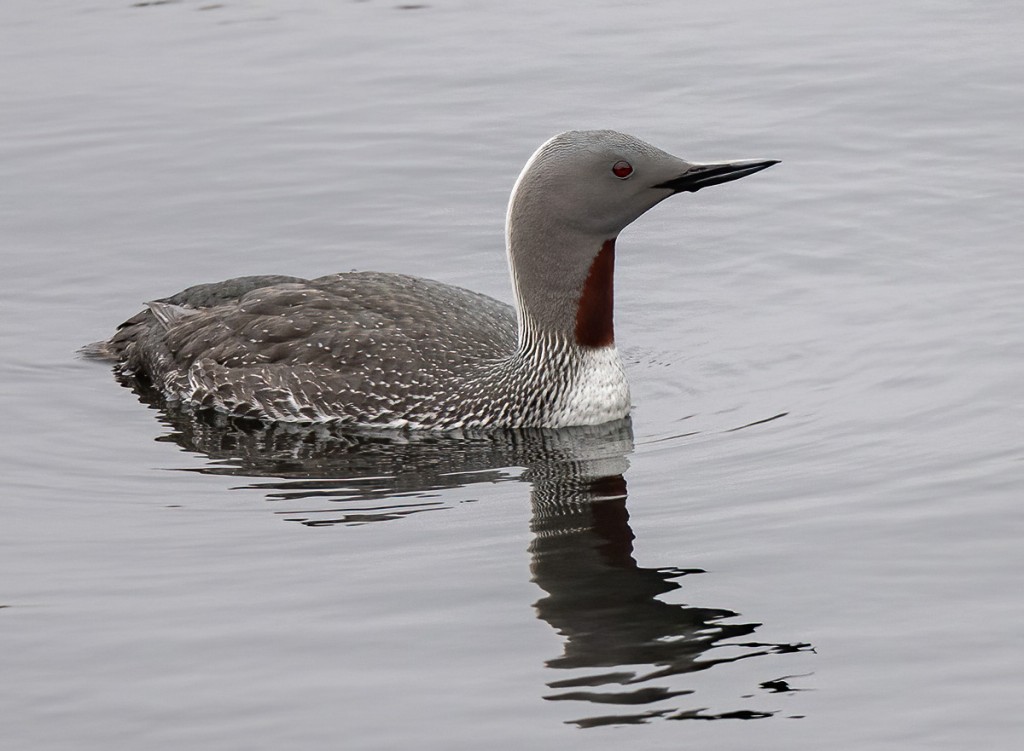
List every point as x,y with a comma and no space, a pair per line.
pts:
396,351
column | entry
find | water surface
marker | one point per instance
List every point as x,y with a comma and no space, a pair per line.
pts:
846,575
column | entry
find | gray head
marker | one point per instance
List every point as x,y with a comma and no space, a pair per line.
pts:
576,193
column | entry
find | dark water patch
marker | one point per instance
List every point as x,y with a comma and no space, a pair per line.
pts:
782,685
740,714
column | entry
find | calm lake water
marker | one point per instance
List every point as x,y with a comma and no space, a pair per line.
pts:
846,575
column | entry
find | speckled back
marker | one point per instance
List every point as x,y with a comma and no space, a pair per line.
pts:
359,347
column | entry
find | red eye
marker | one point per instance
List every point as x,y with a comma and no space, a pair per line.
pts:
622,169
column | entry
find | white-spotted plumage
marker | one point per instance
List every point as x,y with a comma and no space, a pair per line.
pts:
394,351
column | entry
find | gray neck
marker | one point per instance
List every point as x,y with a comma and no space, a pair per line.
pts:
556,272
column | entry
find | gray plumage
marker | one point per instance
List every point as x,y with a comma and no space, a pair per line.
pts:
359,347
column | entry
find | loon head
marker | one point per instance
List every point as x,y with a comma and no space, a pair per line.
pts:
573,197
599,181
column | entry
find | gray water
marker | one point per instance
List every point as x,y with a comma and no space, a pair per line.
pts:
846,575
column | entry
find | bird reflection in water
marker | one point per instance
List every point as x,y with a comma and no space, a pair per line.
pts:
610,613
625,647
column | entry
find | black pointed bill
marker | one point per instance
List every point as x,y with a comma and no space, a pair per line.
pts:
702,175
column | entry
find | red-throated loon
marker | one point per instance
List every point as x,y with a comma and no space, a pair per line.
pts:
395,351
